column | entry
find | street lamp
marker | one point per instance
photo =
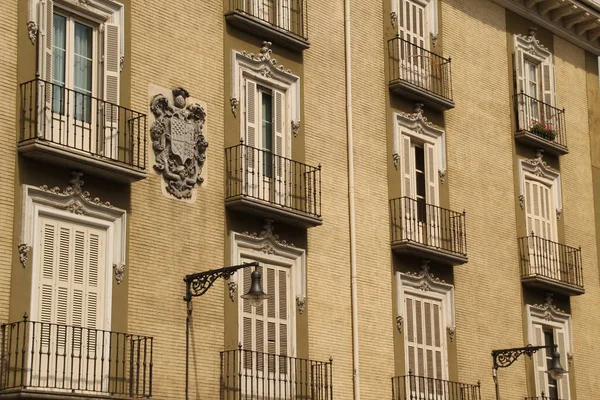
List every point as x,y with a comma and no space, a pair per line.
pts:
504,358
197,284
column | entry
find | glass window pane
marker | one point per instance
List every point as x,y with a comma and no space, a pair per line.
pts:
59,34
82,71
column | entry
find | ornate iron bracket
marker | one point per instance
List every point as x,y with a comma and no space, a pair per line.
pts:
504,358
197,284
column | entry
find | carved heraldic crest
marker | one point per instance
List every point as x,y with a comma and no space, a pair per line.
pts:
178,142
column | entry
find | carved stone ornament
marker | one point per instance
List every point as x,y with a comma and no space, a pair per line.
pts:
570,359
235,103
551,312
531,45
32,31
79,197
396,160
558,214
434,39
301,303
393,18
399,323
265,56
232,286
442,175
426,279
119,271
269,238
178,142
540,165
121,62
23,253
522,201
451,332
295,128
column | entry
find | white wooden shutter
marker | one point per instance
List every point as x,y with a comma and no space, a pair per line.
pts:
282,169
407,166
548,82
561,339
431,182
519,64
111,61
45,92
539,361
408,203
251,122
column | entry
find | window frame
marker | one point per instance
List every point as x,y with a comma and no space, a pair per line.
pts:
537,169
430,20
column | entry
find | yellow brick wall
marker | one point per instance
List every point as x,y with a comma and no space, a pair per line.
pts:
578,211
8,139
480,178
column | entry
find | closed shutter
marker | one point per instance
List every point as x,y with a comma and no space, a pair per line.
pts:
519,65
407,166
431,181
412,28
112,53
425,342
539,204
266,330
550,114
561,339
71,285
282,169
45,91
539,361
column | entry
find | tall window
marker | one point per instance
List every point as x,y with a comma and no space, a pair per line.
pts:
266,105
532,86
73,66
552,391
550,333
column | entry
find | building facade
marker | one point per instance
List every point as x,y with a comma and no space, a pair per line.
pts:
418,180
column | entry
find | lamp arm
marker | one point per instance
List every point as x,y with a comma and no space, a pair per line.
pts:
505,358
197,284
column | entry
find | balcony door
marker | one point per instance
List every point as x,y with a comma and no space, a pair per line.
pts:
268,169
266,333
541,222
275,12
421,219
415,60
70,350
425,347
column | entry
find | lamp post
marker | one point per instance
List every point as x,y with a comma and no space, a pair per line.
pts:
504,358
197,284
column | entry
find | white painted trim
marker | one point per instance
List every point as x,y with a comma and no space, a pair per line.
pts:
537,169
549,315
417,126
532,48
265,71
431,8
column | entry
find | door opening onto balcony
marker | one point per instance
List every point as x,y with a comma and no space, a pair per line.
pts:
68,340
269,171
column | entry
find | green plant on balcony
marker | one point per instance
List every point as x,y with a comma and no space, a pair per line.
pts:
543,130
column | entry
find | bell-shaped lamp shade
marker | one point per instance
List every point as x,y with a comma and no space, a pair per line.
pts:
255,295
556,370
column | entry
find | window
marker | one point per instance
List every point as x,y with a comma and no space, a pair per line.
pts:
79,63
426,308
417,19
535,87
550,326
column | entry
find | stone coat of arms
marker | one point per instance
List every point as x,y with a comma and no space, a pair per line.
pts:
178,142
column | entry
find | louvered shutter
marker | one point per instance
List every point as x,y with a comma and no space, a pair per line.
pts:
519,65
282,167
111,66
47,276
409,207
431,177
550,114
539,361
251,122
45,91
561,339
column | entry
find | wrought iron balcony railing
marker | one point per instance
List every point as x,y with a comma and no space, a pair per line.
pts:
437,228
542,122
249,374
70,359
273,179
412,387
542,397
78,122
287,15
425,72
550,260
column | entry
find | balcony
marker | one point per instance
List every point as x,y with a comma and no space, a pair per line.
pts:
550,265
283,22
271,186
255,375
412,387
419,74
68,128
542,397
427,231
540,125
46,360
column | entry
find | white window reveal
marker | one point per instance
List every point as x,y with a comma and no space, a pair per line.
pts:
547,325
419,146
425,306
267,332
269,97
535,84
81,51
